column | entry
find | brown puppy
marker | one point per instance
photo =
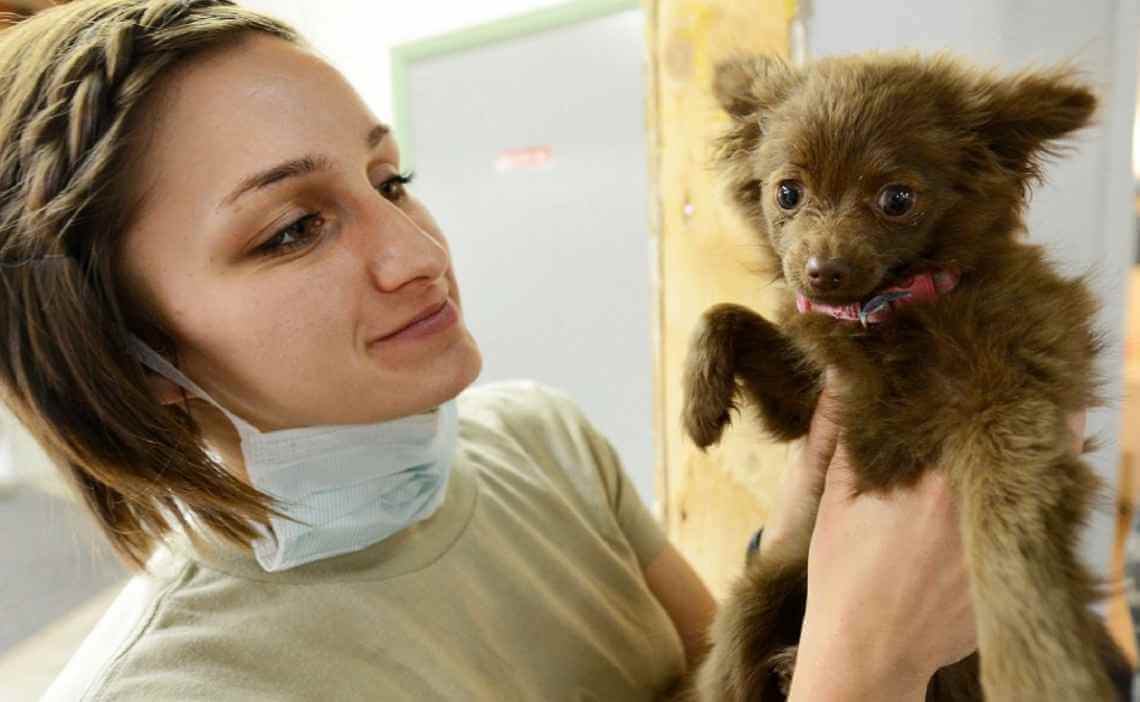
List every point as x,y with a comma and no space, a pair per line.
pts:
890,190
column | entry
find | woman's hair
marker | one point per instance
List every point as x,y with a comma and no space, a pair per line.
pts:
76,83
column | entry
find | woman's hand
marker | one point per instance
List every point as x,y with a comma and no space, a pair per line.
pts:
888,591
798,494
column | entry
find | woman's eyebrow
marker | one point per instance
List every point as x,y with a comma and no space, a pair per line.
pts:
297,167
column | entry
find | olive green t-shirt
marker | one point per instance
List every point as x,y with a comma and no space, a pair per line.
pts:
526,584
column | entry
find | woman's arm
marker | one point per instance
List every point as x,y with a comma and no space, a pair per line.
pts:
684,596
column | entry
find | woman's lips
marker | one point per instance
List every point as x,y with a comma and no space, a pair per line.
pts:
442,319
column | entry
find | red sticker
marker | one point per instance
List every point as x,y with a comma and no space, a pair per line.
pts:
527,157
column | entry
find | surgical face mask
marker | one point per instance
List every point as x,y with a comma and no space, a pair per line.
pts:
342,487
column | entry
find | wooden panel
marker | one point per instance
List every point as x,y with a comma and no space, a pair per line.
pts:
1130,419
1132,345
712,503
1119,614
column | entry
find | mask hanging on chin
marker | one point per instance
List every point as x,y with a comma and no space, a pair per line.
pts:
343,487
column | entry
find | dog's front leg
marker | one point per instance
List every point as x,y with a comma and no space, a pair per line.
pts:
1023,499
734,343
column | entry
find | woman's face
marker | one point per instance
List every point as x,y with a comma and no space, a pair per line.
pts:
278,244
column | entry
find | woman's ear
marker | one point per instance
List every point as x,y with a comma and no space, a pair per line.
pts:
164,390
1022,117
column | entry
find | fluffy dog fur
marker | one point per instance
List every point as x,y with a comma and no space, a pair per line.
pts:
977,383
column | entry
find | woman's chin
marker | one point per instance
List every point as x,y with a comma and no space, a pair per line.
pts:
405,389
468,371
453,373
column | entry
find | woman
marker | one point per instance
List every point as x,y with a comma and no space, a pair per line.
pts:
241,338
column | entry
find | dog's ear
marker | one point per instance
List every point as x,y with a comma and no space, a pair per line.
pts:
748,85
1023,117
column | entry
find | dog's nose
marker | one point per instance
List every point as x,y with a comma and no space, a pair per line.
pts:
827,275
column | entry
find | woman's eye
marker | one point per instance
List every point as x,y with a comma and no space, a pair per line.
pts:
789,194
393,188
896,200
294,236
308,228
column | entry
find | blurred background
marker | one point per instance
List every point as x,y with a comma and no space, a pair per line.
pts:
560,147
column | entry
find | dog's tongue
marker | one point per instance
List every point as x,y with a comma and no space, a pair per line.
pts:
921,287
849,312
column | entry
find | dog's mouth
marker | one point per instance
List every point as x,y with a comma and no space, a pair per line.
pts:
891,277
902,286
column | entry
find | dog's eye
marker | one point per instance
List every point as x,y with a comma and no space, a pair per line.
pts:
896,200
788,194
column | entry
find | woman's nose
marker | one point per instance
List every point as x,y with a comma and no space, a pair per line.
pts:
400,251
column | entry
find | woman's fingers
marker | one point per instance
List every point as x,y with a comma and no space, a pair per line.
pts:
800,490
823,436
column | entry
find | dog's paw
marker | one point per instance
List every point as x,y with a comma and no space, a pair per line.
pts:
709,383
705,420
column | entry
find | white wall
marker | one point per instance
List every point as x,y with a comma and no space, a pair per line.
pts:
1084,213
357,35
554,260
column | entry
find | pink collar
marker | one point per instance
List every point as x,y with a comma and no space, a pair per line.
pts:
921,287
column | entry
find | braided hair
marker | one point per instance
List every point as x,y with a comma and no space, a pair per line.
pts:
76,85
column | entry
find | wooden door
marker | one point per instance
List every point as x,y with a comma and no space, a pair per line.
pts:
711,503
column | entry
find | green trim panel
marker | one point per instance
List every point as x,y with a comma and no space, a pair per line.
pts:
404,55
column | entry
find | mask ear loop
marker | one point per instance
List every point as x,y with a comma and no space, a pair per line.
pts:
153,360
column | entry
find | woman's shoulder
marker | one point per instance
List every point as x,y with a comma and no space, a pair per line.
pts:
518,399
538,417
144,646
546,430
117,632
